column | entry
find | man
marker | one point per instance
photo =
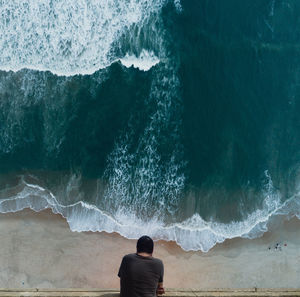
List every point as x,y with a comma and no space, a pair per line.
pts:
140,274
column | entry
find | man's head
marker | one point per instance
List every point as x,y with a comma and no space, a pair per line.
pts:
144,245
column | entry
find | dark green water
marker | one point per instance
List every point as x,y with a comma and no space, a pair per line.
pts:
203,146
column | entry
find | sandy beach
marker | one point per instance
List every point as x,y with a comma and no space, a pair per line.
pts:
38,250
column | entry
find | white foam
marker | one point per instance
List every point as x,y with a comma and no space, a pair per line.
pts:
145,61
138,180
69,37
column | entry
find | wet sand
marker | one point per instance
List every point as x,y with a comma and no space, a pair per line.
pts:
38,250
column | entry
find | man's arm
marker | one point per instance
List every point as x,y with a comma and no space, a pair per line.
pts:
122,266
160,289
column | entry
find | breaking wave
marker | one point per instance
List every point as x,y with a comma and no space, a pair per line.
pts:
192,234
69,38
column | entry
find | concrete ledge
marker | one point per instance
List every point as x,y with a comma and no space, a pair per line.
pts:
169,293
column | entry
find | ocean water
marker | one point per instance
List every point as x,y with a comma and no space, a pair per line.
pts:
173,118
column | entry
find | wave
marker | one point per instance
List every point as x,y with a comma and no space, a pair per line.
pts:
192,234
73,37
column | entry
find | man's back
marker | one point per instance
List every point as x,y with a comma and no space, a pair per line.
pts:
140,275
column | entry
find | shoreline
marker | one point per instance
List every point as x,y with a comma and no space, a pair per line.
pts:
38,250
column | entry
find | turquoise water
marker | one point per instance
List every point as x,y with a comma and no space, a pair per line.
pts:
177,119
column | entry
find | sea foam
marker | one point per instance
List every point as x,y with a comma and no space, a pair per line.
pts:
68,37
145,61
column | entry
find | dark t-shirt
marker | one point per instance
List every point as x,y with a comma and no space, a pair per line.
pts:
140,275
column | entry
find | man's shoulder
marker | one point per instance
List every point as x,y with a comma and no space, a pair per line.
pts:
158,261
129,256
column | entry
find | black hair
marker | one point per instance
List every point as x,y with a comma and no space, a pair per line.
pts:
144,245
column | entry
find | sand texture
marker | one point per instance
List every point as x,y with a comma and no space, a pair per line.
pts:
38,250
